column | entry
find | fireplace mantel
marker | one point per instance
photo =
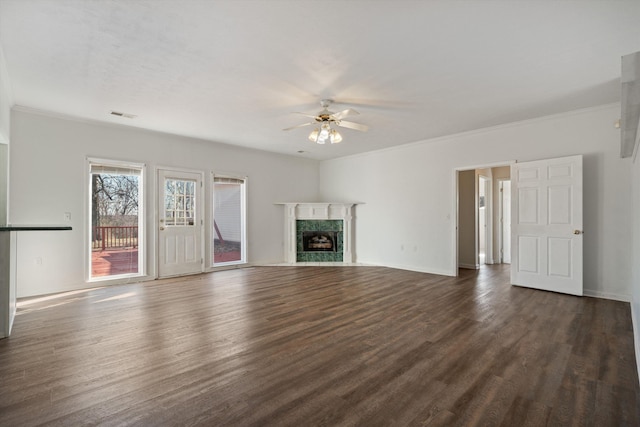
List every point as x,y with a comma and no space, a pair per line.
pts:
294,211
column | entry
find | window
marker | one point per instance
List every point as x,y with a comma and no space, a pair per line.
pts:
116,236
229,237
179,202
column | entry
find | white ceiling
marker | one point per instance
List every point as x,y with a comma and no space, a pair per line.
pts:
233,71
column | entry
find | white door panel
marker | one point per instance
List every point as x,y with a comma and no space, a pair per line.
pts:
180,223
190,249
171,254
528,254
546,239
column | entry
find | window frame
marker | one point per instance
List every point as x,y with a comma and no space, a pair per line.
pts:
185,219
243,219
141,238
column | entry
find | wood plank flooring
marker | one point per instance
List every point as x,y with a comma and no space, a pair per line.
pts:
320,346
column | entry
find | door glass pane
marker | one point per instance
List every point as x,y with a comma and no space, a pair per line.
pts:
179,202
228,220
115,215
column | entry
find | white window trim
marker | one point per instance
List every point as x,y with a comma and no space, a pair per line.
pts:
243,219
141,222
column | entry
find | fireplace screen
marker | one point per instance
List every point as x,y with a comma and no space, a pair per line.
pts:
319,241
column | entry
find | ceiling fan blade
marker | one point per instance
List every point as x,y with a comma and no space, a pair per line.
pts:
344,113
307,115
351,125
299,126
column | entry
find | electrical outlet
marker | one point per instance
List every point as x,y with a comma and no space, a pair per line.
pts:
67,216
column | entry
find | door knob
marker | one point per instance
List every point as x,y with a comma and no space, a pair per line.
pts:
161,228
577,232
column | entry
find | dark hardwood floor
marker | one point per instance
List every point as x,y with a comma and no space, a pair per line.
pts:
308,346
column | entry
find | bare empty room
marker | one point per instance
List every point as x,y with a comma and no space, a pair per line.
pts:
319,213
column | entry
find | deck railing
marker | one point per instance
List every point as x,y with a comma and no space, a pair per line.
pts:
115,237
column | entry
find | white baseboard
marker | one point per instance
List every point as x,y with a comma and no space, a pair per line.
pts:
606,295
411,268
469,266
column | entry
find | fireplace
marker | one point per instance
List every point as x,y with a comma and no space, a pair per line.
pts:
319,241
318,232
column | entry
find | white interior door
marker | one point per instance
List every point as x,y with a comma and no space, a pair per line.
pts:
180,223
546,214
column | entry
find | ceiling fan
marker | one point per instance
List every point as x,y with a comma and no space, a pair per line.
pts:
324,119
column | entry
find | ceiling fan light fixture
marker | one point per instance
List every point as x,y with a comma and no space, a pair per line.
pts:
321,135
313,136
324,119
334,136
325,130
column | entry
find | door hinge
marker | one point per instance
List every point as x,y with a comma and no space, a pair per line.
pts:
201,260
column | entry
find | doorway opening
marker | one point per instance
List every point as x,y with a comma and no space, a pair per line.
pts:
480,209
541,236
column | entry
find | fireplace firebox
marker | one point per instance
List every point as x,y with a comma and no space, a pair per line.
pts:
319,241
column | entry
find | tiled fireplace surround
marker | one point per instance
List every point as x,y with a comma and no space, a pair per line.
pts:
301,217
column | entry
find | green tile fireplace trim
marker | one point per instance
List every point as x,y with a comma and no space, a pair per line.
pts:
319,225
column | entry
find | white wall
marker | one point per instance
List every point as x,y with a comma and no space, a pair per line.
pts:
6,102
49,177
408,218
7,288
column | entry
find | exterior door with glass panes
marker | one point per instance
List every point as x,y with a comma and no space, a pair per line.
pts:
180,223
